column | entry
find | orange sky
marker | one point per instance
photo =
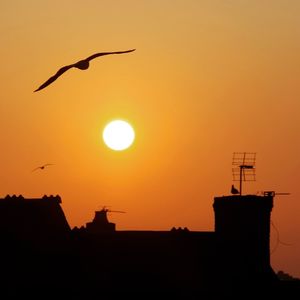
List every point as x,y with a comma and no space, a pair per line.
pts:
208,78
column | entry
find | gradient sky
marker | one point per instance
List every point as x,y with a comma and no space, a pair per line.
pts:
208,78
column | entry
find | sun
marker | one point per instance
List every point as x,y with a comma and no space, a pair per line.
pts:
118,135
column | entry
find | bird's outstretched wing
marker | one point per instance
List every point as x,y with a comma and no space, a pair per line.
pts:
45,165
35,169
107,53
54,77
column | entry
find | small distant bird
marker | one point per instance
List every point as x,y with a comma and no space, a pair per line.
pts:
234,191
42,167
82,65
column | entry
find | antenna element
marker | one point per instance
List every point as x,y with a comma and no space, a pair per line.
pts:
243,167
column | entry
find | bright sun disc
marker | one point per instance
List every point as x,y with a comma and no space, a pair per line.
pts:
118,135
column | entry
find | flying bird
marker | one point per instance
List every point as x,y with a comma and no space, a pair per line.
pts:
42,167
82,65
234,191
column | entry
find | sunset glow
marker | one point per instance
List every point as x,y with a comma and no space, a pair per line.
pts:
207,79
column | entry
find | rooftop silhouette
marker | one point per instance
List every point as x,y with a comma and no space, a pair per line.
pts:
232,261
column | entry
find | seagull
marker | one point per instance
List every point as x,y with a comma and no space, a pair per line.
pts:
42,167
234,191
82,65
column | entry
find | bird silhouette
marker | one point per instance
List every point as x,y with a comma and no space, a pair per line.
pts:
41,167
234,191
82,65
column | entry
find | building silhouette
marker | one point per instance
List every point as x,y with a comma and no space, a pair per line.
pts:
42,256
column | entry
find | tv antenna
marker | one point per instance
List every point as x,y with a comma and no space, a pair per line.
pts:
243,167
105,209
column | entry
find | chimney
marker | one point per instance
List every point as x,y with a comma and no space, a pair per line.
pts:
242,223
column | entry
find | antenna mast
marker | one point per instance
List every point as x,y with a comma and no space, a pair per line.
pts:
243,167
